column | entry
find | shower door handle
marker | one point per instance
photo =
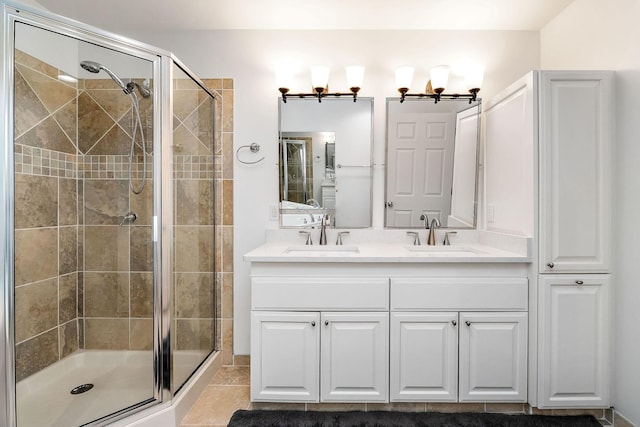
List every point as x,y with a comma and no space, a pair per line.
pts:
155,228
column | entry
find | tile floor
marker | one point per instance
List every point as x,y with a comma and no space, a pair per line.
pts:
229,391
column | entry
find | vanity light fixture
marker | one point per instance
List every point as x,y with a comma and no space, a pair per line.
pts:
439,77
319,82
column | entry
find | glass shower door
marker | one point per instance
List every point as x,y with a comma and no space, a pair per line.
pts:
195,283
84,250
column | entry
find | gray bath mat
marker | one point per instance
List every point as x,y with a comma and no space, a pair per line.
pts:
262,418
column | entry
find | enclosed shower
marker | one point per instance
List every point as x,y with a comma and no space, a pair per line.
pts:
108,224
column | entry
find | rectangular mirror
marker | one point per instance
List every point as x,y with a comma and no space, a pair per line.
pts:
432,162
325,161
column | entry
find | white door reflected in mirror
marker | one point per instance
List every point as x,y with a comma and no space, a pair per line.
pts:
432,157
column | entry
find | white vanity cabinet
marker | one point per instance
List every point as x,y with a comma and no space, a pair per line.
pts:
575,340
319,339
458,339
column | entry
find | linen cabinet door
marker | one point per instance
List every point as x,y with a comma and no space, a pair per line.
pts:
424,357
354,357
493,357
575,328
285,356
576,171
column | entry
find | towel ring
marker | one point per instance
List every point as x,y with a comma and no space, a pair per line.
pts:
254,148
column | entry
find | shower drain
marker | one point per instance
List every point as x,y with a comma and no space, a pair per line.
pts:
81,389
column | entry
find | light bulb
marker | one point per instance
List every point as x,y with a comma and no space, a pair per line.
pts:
439,78
319,76
404,77
284,77
473,77
355,76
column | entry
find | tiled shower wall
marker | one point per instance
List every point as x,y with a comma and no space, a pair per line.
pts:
223,172
82,280
46,217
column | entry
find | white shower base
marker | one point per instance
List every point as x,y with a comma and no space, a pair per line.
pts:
120,379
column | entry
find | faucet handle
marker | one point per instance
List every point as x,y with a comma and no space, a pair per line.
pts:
340,234
308,234
446,237
416,237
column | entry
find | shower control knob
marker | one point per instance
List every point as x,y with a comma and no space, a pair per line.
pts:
129,218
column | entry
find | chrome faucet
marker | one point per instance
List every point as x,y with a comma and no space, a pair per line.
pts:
326,221
425,218
435,222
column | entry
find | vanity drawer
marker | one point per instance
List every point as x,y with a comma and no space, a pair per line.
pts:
319,293
458,294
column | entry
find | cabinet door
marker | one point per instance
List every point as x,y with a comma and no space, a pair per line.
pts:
424,357
493,357
575,341
354,360
284,356
576,147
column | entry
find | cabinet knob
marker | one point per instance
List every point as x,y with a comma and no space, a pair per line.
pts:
326,323
550,265
389,204
313,323
468,323
579,282
454,323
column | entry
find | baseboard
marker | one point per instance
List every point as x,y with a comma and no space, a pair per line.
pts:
620,420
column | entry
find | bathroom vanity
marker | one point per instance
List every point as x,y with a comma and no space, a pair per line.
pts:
378,322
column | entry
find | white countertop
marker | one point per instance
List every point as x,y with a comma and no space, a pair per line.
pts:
383,253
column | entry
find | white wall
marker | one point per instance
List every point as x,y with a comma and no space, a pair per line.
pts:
593,34
250,57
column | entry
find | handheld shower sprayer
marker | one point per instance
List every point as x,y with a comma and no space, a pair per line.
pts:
94,67
128,89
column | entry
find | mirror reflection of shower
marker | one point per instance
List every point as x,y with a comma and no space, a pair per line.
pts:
128,89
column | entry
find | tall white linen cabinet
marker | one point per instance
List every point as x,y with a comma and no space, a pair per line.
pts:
549,166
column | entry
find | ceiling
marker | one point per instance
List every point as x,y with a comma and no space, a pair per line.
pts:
184,15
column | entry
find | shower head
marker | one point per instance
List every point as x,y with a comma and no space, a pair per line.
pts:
90,66
95,67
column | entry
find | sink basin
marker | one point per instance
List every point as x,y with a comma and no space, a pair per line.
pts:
319,251
443,251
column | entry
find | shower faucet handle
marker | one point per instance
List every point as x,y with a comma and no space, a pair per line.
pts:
129,218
